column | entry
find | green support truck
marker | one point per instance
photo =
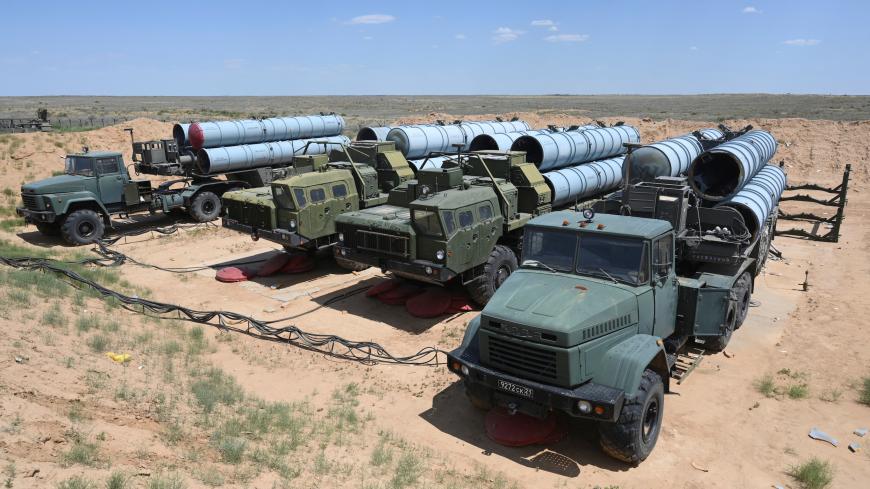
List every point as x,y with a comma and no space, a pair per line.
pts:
299,211
607,308
461,221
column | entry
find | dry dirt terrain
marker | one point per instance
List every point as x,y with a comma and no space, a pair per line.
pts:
197,407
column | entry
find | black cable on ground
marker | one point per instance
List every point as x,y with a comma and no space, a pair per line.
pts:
332,345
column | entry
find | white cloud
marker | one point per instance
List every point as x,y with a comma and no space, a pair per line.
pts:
567,38
693,48
802,42
459,36
506,34
549,24
367,38
372,19
750,10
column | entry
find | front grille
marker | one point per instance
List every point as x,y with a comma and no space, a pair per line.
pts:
31,202
256,216
388,244
520,358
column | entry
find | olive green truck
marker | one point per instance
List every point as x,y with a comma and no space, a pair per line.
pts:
607,308
299,211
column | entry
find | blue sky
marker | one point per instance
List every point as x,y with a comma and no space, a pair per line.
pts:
331,47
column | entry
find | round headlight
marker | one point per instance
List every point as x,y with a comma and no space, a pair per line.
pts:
428,270
584,407
341,236
292,223
439,254
464,370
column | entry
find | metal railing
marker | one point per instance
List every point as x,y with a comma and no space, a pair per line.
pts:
835,221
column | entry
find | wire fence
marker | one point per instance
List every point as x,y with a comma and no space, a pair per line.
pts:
58,124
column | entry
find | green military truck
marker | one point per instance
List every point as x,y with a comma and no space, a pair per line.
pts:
299,212
606,309
96,185
461,221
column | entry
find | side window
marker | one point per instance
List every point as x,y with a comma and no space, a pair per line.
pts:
106,166
485,212
339,190
663,255
448,221
317,195
300,197
466,218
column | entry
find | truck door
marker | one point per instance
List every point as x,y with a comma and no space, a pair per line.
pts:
111,181
664,285
486,230
339,203
318,211
466,237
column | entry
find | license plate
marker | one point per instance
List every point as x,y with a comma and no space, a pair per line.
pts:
516,389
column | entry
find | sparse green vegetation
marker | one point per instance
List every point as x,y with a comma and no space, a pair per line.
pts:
77,482
798,391
864,392
117,480
166,481
813,474
766,386
98,343
214,387
408,471
81,451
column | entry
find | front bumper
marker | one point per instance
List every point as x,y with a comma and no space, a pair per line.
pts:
421,270
483,383
279,236
35,217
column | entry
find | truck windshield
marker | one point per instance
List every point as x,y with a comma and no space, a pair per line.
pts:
554,249
622,259
76,165
282,197
427,223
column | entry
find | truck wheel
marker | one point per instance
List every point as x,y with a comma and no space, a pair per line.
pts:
206,206
743,289
718,343
501,263
48,228
350,264
82,227
633,436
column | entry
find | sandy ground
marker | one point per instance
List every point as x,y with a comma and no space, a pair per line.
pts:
719,431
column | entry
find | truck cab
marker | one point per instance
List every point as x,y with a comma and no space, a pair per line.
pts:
580,327
77,204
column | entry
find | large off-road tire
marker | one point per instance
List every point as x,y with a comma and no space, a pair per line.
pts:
349,265
206,206
82,227
743,293
718,343
501,263
48,228
633,436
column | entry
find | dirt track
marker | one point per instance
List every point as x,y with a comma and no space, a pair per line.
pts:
717,421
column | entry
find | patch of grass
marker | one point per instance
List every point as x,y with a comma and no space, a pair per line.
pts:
86,323
765,385
864,392
170,348
117,480
166,481
382,454
75,413
11,224
813,474
232,449
408,471
18,297
96,380
798,391
54,316
214,387
77,482
81,451
322,465
14,426
98,343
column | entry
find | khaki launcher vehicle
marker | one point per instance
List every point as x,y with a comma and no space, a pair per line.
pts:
605,308
461,221
299,211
